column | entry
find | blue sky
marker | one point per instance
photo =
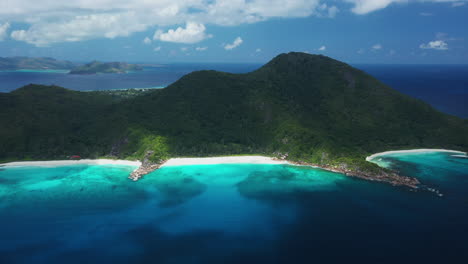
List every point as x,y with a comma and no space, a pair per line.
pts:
162,31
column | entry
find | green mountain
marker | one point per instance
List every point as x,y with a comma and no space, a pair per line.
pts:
310,107
105,67
19,63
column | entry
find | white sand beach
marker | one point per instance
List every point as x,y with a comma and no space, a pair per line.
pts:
413,151
56,163
223,160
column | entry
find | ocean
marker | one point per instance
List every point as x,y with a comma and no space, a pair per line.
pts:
234,213
150,77
443,86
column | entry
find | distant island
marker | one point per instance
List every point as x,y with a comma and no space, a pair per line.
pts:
306,109
38,63
29,63
96,67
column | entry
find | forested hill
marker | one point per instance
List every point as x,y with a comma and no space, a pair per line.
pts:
312,107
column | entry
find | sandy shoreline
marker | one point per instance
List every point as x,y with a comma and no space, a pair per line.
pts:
56,163
412,151
170,162
223,160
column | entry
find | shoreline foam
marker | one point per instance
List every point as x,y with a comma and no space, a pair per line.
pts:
57,163
223,160
369,158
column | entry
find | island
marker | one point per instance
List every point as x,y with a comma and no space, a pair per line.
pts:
97,67
299,108
30,63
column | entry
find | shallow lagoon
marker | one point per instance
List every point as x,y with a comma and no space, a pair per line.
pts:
232,213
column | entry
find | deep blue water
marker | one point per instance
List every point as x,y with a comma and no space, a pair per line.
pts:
236,213
443,86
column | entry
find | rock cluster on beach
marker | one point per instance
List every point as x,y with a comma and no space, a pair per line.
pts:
144,169
147,166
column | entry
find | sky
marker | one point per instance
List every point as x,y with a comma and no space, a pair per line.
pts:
237,31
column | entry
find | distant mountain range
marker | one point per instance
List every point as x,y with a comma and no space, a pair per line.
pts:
20,63
309,108
28,63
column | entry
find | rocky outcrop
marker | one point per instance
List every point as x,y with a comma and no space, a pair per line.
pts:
146,167
381,176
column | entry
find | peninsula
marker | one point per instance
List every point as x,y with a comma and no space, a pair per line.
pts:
96,67
301,108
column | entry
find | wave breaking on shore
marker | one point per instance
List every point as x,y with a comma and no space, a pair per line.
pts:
369,158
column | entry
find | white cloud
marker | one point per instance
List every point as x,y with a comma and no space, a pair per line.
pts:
377,47
234,44
184,49
192,33
54,21
361,51
4,30
80,28
201,48
367,6
47,22
322,48
258,50
436,45
147,41
158,48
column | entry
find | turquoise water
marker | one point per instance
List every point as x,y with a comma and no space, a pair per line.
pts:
233,213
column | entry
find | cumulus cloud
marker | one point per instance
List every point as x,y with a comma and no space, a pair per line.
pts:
54,21
322,48
234,44
4,30
436,45
201,48
367,6
192,33
80,28
258,50
147,41
158,48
